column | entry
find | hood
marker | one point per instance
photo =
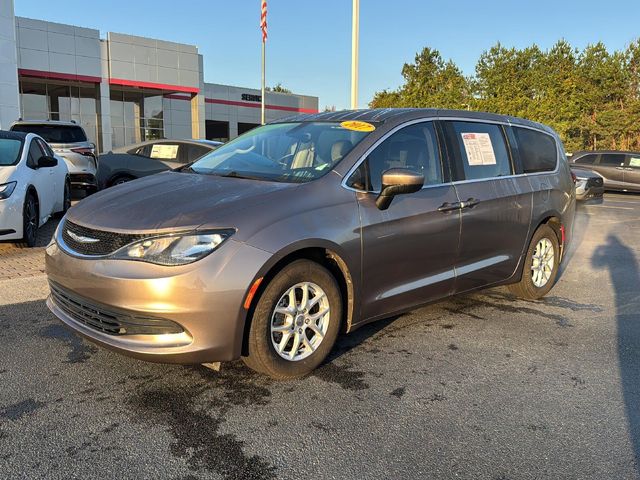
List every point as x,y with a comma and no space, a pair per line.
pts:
171,201
6,172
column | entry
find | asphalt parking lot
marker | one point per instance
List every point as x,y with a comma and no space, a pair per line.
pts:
478,386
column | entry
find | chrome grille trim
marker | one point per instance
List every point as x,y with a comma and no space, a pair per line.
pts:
105,242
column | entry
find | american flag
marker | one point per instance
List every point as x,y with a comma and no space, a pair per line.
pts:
263,20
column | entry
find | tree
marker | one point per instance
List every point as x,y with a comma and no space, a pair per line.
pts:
278,89
590,97
429,82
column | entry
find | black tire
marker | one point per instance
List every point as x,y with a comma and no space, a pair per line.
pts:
526,288
120,180
262,355
30,222
66,201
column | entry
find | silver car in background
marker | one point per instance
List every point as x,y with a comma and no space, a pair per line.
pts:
69,141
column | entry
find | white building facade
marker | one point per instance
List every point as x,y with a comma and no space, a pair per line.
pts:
122,89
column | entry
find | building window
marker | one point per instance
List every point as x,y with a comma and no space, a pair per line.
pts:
49,100
217,130
136,116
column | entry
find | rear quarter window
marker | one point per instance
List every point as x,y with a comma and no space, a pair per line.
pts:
538,151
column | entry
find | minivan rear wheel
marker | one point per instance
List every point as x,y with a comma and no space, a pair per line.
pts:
295,322
541,265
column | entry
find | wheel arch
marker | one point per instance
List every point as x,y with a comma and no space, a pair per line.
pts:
325,253
118,175
553,220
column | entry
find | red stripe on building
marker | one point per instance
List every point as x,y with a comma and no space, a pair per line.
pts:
58,76
257,105
155,86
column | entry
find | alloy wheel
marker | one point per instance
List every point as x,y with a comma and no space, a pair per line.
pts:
543,263
300,321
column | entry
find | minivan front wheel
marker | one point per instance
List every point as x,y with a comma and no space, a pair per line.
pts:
541,265
295,322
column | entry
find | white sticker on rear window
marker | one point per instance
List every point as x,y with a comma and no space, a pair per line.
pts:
166,152
634,162
479,149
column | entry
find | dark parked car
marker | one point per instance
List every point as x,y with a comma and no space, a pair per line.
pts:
271,245
589,185
620,170
154,156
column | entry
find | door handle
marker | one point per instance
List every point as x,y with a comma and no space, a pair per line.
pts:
448,207
469,203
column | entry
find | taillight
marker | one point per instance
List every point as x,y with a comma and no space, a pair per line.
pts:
573,177
84,151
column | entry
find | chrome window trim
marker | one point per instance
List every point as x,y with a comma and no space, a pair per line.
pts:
457,182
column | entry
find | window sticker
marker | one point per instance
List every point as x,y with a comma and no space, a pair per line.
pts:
165,152
634,162
357,126
479,149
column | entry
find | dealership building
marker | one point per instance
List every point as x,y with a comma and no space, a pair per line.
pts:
122,89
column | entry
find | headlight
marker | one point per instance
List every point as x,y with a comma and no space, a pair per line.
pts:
6,189
176,249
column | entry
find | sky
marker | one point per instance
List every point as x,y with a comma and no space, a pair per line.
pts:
309,44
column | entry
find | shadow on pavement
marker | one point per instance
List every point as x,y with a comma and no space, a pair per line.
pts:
622,264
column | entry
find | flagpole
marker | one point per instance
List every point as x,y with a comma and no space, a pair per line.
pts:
355,27
263,85
263,28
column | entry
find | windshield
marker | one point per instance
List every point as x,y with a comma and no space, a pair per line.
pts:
283,152
10,149
54,133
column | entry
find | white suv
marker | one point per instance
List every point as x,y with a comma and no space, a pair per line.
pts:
68,140
34,184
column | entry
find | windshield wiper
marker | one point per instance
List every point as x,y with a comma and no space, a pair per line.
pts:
234,174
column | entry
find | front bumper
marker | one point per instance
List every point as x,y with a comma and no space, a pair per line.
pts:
205,298
11,221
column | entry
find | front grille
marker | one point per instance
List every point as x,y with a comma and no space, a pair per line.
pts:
108,320
96,242
595,182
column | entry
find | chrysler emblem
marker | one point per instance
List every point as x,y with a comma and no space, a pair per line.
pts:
80,238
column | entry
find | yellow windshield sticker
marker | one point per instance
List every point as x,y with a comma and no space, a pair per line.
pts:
357,126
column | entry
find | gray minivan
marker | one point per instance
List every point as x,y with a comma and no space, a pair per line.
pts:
620,170
271,245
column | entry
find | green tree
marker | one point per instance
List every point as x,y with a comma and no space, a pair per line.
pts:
278,89
429,82
590,97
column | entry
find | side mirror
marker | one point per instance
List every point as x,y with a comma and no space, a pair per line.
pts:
45,161
397,181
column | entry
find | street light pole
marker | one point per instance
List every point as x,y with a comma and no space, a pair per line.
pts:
354,53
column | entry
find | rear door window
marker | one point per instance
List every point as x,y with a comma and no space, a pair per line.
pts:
479,150
611,159
538,152
54,133
633,161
